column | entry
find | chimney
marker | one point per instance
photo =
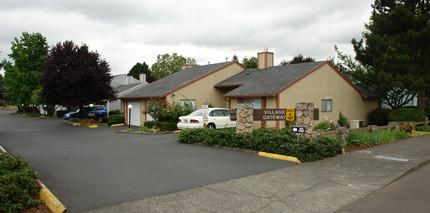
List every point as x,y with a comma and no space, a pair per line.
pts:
185,66
142,78
128,80
265,59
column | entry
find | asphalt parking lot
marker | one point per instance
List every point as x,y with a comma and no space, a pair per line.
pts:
89,168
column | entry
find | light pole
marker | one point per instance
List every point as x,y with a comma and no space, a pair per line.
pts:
91,118
129,114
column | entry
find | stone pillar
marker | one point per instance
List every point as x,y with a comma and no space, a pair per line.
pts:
244,118
342,133
373,128
305,117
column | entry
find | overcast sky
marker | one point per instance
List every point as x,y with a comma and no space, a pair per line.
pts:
126,32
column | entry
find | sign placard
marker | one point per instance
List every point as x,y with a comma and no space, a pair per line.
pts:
269,114
205,113
298,129
291,114
264,114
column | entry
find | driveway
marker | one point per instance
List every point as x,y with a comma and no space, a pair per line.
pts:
89,168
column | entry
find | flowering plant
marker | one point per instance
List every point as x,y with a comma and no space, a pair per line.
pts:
164,112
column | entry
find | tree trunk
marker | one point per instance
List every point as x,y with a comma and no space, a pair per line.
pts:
421,102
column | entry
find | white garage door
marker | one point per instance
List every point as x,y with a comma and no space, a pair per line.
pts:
135,113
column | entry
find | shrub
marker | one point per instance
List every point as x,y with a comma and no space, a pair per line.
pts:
115,112
406,127
363,138
116,119
61,113
165,112
325,125
378,117
17,184
163,126
147,129
3,102
73,120
26,109
268,140
406,114
423,128
342,121
105,119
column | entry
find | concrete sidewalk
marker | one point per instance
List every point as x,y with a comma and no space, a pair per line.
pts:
321,186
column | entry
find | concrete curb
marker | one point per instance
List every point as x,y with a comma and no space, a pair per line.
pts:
279,157
46,196
262,154
114,125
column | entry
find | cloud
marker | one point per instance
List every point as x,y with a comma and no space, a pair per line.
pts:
125,32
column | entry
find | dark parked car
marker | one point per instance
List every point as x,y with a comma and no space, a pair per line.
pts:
97,112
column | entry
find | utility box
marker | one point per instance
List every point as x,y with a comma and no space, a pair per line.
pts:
355,124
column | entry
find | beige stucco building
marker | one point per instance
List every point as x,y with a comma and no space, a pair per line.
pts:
268,87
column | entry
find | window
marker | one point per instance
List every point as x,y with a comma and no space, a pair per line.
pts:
226,112
255,101
216,113
188,101
326,105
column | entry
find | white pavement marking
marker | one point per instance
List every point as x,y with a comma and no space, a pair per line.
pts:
391,158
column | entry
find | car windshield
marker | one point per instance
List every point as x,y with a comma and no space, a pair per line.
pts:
197,113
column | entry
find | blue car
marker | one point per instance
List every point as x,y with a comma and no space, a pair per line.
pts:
97,112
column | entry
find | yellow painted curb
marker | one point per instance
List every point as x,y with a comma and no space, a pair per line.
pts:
114,125
177,131
51,201
93,126
279,157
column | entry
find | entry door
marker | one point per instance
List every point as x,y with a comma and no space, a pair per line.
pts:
135,114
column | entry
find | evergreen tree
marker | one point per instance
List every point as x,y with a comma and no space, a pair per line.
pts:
141,68
395,49
250,63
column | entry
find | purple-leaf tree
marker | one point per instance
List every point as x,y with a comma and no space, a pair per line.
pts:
75,76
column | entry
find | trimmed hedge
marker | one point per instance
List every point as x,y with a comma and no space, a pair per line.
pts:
406,115
378,117
115,112
115,119
17,184
163,126
61,113
267,140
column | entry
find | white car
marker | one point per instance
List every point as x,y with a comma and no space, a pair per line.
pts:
217,118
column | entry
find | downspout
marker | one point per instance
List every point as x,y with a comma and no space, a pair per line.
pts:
229,102
263,106
277,107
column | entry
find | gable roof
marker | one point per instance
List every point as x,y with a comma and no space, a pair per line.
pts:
273,80
122,89
267,82
177,80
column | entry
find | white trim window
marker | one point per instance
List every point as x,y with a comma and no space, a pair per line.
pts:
255,101
326,105
189,101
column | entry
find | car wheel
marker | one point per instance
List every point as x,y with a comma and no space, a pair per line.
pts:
211,126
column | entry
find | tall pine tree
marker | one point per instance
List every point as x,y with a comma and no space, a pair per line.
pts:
395,49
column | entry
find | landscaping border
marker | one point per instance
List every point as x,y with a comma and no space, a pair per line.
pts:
46,196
